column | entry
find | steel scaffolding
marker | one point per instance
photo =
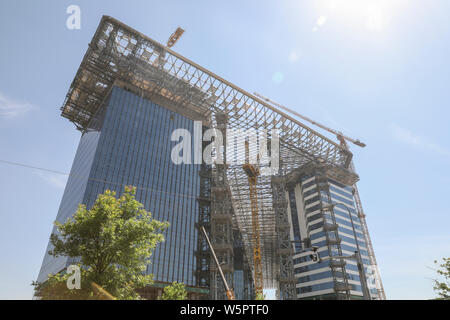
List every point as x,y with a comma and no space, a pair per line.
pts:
118,53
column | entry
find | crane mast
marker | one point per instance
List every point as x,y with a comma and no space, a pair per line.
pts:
252,173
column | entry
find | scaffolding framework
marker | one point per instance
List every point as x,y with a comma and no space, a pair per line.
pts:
118,53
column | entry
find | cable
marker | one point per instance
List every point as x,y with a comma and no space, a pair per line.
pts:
33,167
175,218
94,179
185,195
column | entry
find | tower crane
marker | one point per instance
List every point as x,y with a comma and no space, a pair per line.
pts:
174,37
252,173
340,136
343,142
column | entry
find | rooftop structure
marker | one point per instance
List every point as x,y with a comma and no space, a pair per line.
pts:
120,54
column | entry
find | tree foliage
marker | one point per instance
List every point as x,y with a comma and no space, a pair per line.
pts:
175,291
260,296
442,288
113,242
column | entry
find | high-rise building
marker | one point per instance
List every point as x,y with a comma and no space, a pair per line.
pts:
323,216
129,143
127,98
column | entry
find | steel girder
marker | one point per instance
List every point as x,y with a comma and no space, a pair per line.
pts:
120,53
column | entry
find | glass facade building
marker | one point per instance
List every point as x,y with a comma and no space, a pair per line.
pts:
332,231
129,143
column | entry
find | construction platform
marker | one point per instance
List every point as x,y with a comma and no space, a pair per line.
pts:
118,53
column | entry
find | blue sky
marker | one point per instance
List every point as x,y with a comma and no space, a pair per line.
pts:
376,70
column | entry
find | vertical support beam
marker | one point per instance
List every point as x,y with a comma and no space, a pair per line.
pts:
370,250
203,255
221,221
285,277
362,218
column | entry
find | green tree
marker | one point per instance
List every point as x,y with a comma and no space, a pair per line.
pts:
176,291
442,288
113,242
260,296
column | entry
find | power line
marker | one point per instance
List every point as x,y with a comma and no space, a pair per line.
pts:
96,180
71,175
175,218
33,167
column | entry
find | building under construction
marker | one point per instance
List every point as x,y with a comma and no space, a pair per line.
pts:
129,94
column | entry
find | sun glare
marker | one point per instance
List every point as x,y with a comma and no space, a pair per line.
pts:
375,15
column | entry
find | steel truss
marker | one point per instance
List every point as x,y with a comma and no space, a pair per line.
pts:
118,53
